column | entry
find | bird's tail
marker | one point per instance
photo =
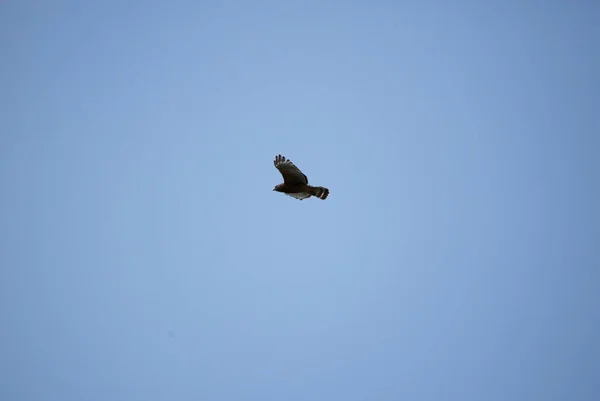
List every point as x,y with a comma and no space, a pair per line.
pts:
319,192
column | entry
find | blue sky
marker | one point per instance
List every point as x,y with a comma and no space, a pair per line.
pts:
144,255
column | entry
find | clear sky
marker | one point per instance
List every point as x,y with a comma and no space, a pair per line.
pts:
144,255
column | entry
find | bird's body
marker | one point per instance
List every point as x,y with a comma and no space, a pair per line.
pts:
295,183
302,191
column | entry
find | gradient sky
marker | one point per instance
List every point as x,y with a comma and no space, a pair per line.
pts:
144,255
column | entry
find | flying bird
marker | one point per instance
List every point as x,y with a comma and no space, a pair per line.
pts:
295,183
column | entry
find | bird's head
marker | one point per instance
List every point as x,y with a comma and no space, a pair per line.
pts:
277,188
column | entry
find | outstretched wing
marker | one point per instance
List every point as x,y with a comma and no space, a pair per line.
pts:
291,174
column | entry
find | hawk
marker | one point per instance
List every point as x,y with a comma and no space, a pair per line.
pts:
295,183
